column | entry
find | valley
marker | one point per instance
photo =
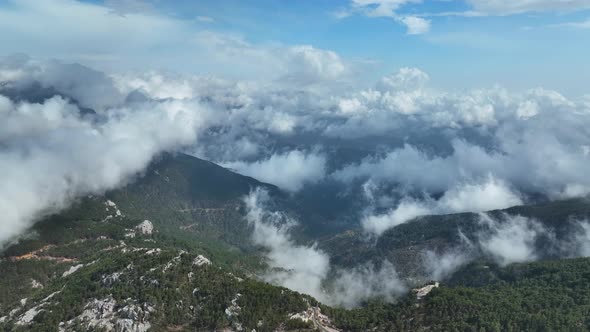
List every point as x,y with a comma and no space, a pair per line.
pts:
160,254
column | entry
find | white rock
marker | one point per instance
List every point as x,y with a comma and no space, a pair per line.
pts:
35,284
234,309
28,316
145,227
201,260
110,279
174,261
154,251
72,270
421,292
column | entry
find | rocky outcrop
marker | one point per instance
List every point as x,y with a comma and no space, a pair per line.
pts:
423,291
145,227
72,270
106,315
201,260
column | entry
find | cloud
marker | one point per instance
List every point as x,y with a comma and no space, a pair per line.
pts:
500,7
355,286
388,8
53,152
290,171
124,7
512,241
302,268
508,239
406,210
441,266
204,19
66,36
581,239
89,88
307,269
416,25
119,42
578,24
426,151
516,139
489,195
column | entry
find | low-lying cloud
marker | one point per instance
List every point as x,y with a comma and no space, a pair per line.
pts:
52,153
307,269
489,195
506,239
289,171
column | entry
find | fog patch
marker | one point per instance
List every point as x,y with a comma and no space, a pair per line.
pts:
307,269
289,171
492,194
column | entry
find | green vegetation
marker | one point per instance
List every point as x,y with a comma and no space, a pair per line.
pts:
196,210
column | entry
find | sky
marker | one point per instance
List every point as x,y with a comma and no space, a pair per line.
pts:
462,44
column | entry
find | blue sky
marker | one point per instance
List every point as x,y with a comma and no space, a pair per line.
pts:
460,44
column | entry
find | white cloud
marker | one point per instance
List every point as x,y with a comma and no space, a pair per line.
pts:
52,155
534,142
512,241
406,210
303,268
120,42
381,7
306,268
415,25
578,24
389,8
351,287
492,194
289,171
440,266
581,240
124,7
501,7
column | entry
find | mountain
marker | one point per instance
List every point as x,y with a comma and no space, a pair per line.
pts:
406,244
172,251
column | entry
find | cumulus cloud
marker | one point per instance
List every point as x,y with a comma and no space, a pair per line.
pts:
307,269
290,170
519,143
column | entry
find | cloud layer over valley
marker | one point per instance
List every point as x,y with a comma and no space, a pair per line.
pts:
426,151
391,151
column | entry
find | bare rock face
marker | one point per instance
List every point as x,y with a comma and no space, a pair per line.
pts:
422,292
110,279
104,315
145,227
35,284
72,270
201,260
